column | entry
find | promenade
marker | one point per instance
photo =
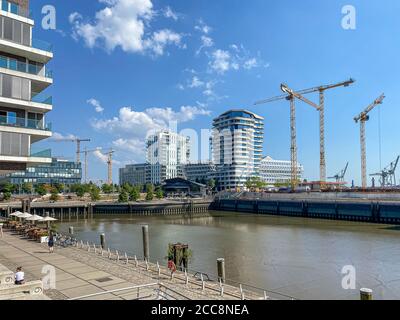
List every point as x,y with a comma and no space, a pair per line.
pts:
80,272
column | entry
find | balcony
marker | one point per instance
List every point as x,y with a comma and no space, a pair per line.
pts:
42,45
14,8
41,98
24,123
16,65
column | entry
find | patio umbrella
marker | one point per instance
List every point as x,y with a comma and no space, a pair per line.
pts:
48,220
34,218
25,215
16,214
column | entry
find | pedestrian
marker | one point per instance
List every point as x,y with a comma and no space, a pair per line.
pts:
51,243
19,276
172,267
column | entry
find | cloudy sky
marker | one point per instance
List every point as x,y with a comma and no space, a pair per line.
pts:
124,67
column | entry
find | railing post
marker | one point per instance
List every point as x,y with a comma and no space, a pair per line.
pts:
146,249
221,286
203,285
109,253
147,265
136,261
126,258
117,254
158,269
221,269
365,294
88,246
95,249
241,292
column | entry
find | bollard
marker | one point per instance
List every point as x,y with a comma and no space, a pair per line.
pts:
71,231
101,250
117,254
203,285
95,249
158,269
126,258
103,240
221,286
146,249
82,244
147,266
136,262
365,294
265,296
241,292
221,269
88,246
109,253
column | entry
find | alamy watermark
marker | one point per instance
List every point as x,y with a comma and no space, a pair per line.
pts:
349,20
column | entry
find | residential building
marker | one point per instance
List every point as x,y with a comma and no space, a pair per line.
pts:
199,172
278,171
24,77
141,174
237,145
167,151
59,171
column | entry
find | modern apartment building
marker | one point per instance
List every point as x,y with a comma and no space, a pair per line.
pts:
24,78
167,152
59,171
237,146
199,172
278,171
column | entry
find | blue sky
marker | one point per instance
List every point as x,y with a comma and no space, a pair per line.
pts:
124,66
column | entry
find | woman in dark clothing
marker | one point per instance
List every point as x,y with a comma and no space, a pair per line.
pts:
51,243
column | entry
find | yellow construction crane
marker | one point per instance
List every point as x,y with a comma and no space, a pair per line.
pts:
78,146
86,153
291,95
363,117
321,109
109,163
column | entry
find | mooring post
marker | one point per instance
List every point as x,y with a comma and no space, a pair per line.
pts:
103,241
221,269
109,253
146,249
365,294
71,231
221,287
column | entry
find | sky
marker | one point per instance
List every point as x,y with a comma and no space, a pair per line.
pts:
123,67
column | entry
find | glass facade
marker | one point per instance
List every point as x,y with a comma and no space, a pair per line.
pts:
58,172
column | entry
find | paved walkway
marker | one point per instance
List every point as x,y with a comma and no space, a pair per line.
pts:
80,273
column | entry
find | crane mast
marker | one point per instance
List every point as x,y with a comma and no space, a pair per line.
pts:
363,117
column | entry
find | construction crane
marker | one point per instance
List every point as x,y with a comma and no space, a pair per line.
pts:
78,146
109,163
363,117
388,175
291,95
86,154
321,109
339,177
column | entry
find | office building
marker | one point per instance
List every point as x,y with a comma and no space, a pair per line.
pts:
199,172
24,77
237,145
278,171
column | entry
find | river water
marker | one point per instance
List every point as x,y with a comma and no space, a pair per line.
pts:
302,258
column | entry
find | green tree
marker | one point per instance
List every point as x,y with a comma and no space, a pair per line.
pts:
134,195
7,195
107,188
255,183
60,187
79,191
159,193
123,197
150,192
211,184
95,193
41,190
27,188
54,194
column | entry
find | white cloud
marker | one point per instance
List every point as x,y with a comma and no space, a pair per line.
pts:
134,145
58,136
123,23
220,61
206,42
195,83
202,27
169,13
95,103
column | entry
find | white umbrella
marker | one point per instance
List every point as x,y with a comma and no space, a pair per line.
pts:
25,215
35,217
16,214
48,219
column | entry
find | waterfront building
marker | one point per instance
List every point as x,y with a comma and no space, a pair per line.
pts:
167,152
278,171
237,146
199,172
141,174
59,171
180,186
24,77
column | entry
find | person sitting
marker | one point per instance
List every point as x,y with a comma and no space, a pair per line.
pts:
19,276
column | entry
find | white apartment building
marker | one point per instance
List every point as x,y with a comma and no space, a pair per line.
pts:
167,152
237,145
24,78
278,171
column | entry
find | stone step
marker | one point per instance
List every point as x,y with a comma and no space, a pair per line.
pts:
13,296
31,287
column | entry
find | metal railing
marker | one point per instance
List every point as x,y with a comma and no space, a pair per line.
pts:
42,45
41,98
24,123
16,65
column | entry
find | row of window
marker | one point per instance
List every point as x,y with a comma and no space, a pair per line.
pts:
15,31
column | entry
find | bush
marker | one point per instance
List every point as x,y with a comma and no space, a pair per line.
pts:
41,190
134,195
54,194
123,197
95,193
159,193
7,195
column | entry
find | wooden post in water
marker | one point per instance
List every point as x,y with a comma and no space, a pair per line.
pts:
103,240
146,249
365,294
71,231
221,269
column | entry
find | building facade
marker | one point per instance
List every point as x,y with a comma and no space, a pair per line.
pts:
167,152
57,172
278,171
199,172
237,146
134,174
24,77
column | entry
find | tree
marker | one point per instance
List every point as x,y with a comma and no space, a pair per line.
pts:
80,191
134,195
7,195
211,184
150,192
41,190
60,187
107,188
123,197
95,193
255,183
27,188
54,194
159,193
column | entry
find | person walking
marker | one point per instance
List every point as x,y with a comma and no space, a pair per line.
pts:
19,276
50,243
